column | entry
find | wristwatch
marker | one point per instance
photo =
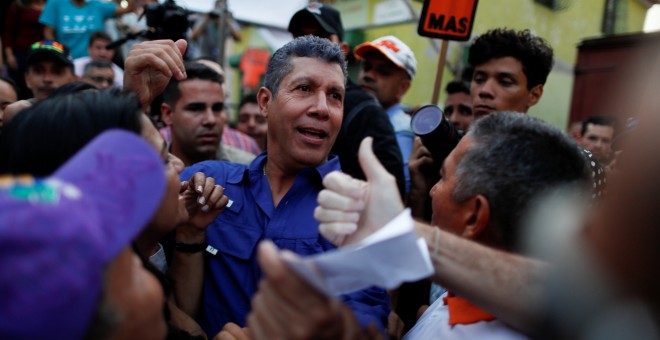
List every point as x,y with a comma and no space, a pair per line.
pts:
189,248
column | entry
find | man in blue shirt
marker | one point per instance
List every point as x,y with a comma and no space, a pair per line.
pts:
275,196
72,22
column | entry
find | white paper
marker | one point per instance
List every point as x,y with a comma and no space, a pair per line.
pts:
389,257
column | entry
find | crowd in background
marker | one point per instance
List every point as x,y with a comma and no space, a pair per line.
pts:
131,207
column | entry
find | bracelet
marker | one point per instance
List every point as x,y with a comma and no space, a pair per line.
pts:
189,248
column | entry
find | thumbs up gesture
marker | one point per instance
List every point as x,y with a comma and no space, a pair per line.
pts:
349,209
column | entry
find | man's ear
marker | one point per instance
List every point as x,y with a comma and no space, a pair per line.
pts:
344,47
479,217
404,85
166,113
535,95
264,97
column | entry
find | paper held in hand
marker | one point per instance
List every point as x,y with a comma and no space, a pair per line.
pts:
389,257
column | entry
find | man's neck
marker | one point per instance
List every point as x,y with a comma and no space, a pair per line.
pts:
188,161
390,106
279,179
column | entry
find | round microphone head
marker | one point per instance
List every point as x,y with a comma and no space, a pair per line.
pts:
426,119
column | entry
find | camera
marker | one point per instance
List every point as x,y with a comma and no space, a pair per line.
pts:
166,20
438,135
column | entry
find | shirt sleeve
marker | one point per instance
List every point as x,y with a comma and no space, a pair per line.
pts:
405,140
49,14
107,9
369,306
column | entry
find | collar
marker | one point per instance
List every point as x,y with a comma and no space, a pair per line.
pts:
258,166
462,312
394,109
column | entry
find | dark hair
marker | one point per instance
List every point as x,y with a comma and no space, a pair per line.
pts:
457,86
11,83
194,70
98,35
204,57
598,120
306,46
248,98
42,137
515,158
97,64
71,88
533,52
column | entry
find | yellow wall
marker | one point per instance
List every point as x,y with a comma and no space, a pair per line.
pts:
564,29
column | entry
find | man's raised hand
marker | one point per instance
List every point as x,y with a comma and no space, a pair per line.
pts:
150,65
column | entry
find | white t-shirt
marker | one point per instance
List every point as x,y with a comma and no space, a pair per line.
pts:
434,324
79,69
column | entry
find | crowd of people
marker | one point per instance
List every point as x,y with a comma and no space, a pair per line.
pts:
132,209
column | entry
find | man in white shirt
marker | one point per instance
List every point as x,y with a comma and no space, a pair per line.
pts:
97,51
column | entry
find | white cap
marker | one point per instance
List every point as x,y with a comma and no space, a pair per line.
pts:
394,49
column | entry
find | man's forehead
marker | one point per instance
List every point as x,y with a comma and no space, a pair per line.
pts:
48,62
377,57
102,69
459,97
100,42
206,83
303,68
505,64
6,90
594,128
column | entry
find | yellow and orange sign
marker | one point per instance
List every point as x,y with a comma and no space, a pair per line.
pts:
447,19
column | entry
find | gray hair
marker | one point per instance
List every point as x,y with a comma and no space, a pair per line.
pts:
515,158
306,46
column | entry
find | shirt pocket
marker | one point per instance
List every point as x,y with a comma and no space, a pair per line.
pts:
237,240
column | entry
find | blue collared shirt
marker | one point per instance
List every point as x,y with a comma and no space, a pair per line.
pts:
404,136
232,275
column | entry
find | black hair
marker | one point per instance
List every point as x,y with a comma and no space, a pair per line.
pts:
98,35
248,98
194,70
42,137
457,86
533,52
97,64
598,120
71,88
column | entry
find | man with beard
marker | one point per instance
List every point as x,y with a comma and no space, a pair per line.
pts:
193,110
